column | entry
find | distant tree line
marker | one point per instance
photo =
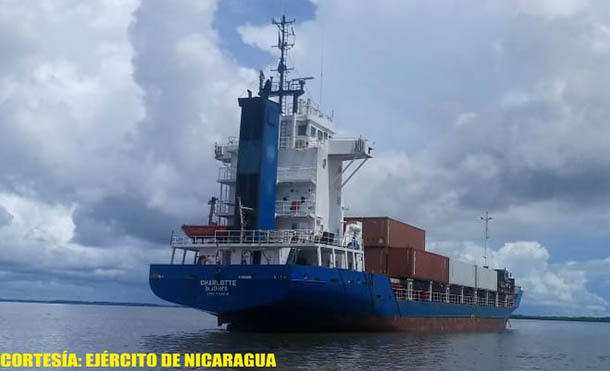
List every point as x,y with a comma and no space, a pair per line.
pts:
80,302
562,318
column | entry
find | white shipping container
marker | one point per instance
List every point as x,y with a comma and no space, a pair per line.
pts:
487,279
462,274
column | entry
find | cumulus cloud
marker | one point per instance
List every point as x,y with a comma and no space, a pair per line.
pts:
560,289
37,246
553,9
68,104
68,98
190,94
5,216
107,125
527,131
473,107
107,130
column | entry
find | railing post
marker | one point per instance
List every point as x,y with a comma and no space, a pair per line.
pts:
476,297
447,293
410,289
462,295
319,256
430,291
486,298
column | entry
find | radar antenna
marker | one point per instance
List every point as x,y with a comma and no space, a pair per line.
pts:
294,87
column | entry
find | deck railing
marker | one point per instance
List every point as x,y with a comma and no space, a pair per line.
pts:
439,297
261,237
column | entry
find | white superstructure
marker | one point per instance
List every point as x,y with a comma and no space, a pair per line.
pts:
313,169
314,166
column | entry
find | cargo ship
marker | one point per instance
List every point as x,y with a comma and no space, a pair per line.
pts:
277,253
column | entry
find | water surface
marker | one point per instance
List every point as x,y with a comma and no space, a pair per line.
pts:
526,345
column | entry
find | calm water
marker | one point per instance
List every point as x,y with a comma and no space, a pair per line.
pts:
528,345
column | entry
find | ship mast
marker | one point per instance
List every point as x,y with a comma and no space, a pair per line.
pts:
295,87
486,219
283,46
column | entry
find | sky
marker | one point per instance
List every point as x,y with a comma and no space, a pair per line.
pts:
109,111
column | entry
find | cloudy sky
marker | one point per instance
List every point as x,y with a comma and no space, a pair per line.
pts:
109,111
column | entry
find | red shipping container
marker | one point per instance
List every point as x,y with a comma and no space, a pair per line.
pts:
418,264
375,259
388,232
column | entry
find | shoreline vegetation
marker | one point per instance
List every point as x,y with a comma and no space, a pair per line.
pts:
128,304
561,318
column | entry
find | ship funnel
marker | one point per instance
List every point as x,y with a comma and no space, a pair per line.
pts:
257,163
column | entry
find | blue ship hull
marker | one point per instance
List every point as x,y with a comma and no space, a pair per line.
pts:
311,298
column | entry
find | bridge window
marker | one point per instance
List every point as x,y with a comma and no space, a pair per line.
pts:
302,130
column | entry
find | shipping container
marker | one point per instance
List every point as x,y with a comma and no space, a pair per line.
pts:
505,283
417,264
375,259
487,279
388,232
462,274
